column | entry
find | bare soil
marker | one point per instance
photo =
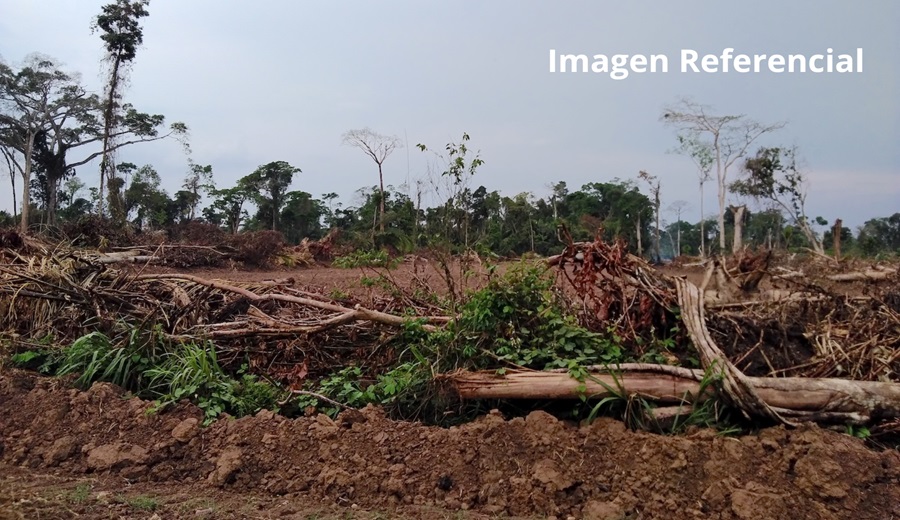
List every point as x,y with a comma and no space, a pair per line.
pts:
411,273
99,454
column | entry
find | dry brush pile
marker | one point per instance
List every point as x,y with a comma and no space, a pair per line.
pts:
764,347
193,245
280,327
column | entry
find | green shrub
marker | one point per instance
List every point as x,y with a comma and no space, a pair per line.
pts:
520,318
98,358
250,395
193,372
44,361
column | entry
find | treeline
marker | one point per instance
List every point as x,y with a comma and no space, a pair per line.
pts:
51,125
478,219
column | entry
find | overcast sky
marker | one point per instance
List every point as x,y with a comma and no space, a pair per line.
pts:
282,80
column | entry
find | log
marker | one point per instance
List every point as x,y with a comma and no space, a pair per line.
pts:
713,300
802,399
735,385
661,388
121,256
867,275
666,418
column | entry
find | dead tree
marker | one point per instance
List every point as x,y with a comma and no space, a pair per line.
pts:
378,147
725,139
738,213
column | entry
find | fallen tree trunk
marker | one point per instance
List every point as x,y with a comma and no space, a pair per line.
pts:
801,399
870,274
111,258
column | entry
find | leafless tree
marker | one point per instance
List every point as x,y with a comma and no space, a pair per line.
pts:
725,138
378,147
678,208
703,159
653,182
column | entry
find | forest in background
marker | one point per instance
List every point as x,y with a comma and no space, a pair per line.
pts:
51,125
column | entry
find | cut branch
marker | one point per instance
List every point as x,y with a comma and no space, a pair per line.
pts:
357,313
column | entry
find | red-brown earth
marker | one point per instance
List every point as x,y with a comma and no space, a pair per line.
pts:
99,454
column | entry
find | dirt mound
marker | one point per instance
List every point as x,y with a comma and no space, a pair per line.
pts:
525,466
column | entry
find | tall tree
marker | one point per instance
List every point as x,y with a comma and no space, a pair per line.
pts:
653,182
199,180
302,216
880,235
71,123
269,183
678,208
558,196
8,159
119,23
618,207
228,206
145,198
378,147
702,157
726,139
328,200
32,100
78,119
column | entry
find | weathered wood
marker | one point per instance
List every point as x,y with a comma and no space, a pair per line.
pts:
663,388
869,275
665,418
734,383
801,399
713,300
122,257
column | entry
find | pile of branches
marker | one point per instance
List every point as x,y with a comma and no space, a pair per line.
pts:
854,338
617,292
833,335
826,321
216,249
11,239
191,244
799,325
310,252
281,328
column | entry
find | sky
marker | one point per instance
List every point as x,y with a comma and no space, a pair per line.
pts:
283,80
